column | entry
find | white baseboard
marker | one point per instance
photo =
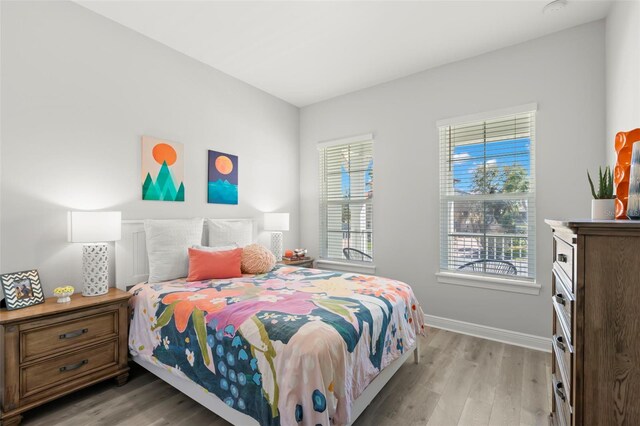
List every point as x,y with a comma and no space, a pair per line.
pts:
491,333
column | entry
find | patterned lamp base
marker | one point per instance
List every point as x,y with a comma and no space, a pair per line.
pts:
276,245
95,269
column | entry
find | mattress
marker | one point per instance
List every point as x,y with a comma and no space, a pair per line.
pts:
293,346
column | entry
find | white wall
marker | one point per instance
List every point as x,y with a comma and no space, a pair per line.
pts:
623,71
0,140
78,93
564,73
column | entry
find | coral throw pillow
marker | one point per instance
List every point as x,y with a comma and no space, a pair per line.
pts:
257,259
216,265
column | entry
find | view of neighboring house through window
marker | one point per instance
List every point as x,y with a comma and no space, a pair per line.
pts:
346,197
487,196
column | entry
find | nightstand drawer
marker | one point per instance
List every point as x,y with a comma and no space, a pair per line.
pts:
46,374
67,334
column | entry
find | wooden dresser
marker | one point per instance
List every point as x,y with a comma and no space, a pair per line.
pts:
52,349
596,322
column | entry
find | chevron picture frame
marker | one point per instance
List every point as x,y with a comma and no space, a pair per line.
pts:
22,289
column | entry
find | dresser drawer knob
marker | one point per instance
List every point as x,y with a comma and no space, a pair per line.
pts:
560,391
560,343
74,366
73,334
562,258
559,298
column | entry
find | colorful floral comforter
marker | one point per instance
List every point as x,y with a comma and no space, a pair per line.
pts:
294,346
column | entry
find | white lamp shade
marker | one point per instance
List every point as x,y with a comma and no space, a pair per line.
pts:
276,221
94,227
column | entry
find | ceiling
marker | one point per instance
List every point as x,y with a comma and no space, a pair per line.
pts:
305,52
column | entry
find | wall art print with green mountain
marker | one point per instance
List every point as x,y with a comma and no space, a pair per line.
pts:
223,178
162,170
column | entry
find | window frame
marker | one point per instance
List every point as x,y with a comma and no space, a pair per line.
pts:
323,204
525,285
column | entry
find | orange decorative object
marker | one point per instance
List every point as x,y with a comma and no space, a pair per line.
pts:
288,253
624,142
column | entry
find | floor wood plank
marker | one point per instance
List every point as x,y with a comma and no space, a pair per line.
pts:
488,371
475,413
461,380
506,404
535,400
452,400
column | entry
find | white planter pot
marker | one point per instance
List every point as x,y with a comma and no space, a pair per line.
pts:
603,209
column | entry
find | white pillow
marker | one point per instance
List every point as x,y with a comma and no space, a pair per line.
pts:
228,232
214,249
168,243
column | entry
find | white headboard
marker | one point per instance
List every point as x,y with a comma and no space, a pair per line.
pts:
132,261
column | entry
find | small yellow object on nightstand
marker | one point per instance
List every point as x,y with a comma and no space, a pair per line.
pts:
64,293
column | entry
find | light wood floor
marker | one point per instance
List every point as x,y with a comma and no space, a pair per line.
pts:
461,380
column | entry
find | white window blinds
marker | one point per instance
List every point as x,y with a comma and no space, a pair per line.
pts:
487,196
346,199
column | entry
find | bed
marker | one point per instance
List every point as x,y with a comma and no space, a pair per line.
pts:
293,346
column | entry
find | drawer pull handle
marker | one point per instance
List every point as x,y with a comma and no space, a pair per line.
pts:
559,298
73,334
560,391
560,343
74,366
562,258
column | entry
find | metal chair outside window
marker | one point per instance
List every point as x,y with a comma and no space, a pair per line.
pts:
355,254
498,267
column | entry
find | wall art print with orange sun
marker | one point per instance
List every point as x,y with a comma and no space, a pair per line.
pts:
162,170
223,178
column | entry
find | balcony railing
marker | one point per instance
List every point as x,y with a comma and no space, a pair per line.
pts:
337,241
465,247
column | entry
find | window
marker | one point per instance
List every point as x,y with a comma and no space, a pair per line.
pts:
487,195
346,199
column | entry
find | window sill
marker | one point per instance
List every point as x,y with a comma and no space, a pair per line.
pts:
357,267
501,284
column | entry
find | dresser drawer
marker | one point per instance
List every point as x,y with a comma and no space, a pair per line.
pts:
564,305
563,353
561,408
67,334
564,260
46,374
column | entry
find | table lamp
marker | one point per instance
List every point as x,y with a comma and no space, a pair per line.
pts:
94,229
276,222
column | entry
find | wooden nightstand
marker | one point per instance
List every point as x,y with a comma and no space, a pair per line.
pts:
52,349
303,263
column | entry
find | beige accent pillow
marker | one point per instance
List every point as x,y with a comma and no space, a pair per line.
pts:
257,259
